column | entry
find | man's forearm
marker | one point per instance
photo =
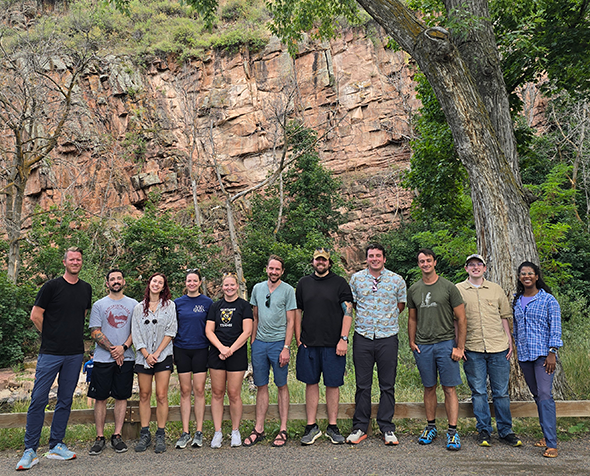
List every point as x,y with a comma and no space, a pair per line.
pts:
99,337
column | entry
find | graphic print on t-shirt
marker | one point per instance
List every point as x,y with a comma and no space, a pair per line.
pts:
426,301
117,315
226,315
199,308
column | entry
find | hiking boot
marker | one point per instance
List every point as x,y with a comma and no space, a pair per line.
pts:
389,438
60,451
453,442
118,444
428,436
98,445
183,440
217,440
334,434
511,439
145,440
198,440
310,435
28,460
356,437
160,446
483,438
236,438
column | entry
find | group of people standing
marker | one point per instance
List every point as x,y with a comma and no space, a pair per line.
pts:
446,324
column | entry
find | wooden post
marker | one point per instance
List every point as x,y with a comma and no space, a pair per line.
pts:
132,425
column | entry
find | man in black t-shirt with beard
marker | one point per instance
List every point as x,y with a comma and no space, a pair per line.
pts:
58,313
322,322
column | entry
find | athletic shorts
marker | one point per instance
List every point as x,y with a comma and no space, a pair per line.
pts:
437,357
236,363
264,356
110,380
313,361
166,364
191,360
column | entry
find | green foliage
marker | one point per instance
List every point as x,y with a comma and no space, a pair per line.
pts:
435,170
156,242
18,336
311,214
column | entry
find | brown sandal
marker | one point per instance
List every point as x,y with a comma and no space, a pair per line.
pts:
280,439
254,438
541,443
550,453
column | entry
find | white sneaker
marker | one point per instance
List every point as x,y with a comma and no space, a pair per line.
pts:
356,437
389,438
217,439
236,438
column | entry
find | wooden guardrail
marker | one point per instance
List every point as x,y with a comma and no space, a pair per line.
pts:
566,408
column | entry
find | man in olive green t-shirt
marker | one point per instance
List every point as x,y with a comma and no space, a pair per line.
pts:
436,330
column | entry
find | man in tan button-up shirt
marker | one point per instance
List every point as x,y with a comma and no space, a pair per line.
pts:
488,348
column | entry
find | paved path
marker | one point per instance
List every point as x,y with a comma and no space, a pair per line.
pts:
370,457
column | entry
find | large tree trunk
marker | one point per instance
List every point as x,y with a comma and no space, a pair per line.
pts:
468,83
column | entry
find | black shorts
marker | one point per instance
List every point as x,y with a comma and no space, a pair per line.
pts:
236,363
166,364
110,380
191,360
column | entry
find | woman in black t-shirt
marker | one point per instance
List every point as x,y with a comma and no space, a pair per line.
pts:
228,328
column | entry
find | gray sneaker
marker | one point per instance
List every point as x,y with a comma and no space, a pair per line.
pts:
98,446
311,435
160,445
217,439
335,436
183,440
145,440
198,440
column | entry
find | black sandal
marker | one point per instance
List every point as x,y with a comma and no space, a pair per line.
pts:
254,438
281,436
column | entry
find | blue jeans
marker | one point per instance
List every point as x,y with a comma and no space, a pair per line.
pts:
478,366
48,367
540,384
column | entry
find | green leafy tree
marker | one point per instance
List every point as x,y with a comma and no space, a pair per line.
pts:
156,242
307,219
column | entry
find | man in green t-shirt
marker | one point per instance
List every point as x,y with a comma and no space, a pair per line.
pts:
436,330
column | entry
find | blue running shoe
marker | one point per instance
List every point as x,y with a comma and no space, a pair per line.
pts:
428,436
28,460
60,451
453,442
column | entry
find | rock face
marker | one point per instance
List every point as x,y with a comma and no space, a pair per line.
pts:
132,130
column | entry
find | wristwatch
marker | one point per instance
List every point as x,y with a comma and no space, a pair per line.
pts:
344,338
125,347
553,350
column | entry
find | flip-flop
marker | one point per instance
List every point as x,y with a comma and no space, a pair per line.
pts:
550,453
254,438
282,438
541,443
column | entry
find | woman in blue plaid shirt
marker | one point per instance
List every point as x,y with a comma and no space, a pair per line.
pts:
537,333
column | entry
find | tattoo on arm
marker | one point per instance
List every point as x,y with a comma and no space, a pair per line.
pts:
347,308
100,338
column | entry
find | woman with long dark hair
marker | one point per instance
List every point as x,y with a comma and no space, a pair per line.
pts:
537,333
153,328
228,327
191,352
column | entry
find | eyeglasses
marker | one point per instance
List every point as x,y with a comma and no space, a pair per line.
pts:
324,250
375,283
225,275
527,274
474,264
193,271
153,321
267,303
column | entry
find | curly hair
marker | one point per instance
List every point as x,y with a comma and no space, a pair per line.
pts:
165,294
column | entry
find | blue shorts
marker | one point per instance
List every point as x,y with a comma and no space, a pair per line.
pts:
437,357
313,361
264,355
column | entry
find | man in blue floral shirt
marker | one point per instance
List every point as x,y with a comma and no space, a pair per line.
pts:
379,297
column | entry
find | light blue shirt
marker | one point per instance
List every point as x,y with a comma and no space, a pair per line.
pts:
537,327
272,320
376,303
